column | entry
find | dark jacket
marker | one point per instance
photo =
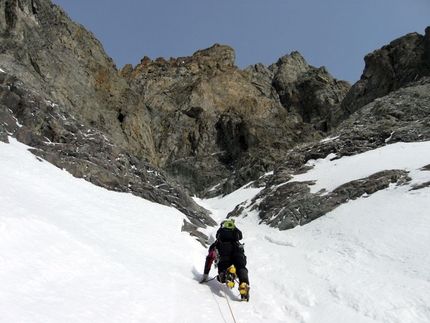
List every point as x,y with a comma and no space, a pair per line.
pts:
224,235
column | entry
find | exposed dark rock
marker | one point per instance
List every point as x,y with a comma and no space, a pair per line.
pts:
420,186
210,119
403,61
401,116
292,204
193,230
425,184
66,64
63,96
312,92
226,127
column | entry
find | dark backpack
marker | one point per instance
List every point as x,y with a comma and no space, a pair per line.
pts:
227,235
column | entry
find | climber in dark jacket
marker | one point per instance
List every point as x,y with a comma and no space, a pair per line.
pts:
228,251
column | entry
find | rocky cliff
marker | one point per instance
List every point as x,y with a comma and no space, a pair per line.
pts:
168,129
61,94
216,127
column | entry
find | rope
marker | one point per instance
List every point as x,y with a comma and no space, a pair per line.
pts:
226,298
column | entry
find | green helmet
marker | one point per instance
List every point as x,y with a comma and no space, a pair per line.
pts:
229,224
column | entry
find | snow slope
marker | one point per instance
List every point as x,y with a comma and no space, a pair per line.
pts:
74,252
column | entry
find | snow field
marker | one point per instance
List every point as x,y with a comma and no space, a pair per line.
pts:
73,252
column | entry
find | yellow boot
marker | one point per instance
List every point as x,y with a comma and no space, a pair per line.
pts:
244,291
231,276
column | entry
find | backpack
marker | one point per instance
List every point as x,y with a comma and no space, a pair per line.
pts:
228,232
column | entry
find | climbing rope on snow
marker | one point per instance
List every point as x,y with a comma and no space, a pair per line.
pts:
226,298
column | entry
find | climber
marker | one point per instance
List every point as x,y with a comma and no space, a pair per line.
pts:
227,251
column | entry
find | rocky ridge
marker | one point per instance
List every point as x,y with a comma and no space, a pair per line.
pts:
168,129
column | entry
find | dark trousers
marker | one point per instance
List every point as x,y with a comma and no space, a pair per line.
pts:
231,254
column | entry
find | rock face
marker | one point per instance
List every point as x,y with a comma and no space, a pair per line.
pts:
215,125
312,92
61,94
303,207
403,61
390,103
207,117
42,47
401,116
168,129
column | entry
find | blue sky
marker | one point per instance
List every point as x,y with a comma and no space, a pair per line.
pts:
332,33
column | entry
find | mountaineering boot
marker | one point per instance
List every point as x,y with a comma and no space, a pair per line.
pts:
232,270
244,291
204,278
230,276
